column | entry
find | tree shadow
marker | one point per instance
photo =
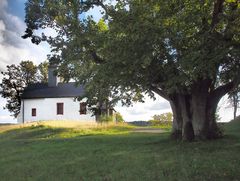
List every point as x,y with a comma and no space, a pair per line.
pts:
32,132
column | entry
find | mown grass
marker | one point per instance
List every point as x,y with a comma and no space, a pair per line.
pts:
165,127
113,153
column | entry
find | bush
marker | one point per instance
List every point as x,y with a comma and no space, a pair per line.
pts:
105,119
119,118
165,124
164,117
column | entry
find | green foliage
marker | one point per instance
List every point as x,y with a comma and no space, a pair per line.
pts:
41,131
167,117
106,119
163,121
15,79
140,46
161,124
186,50
43,71
119,118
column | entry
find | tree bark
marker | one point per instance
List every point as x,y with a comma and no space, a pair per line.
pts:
194,112
235,106
177,118
182,122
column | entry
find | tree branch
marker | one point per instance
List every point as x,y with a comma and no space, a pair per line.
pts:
218,7
97,59
219,92
160,92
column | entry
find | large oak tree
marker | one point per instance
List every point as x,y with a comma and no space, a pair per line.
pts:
185,51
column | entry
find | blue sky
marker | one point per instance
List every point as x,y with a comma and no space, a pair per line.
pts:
16,7
14,49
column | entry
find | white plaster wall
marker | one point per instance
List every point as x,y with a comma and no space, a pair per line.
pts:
20,115
46,109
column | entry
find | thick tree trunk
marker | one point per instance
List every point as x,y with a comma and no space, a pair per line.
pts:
177,118
186,111
194,117
194,111
182,125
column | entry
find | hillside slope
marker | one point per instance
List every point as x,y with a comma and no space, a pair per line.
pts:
113,153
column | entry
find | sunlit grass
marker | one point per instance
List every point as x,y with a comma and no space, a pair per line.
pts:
112,152
63,129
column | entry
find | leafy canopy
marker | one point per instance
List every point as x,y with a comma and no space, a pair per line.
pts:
141,46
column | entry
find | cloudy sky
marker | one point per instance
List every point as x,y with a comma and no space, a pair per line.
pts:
14,49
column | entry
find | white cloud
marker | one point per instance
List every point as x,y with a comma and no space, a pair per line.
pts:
225,111
2,25
3,4
2,103
14,49
2,28
4,114
7,119
144,111
159,105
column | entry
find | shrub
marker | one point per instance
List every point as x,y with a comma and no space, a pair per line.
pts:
105,119
164,124
164,117
119,118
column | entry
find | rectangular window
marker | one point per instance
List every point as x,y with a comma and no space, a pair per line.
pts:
34,112
83,108
59,108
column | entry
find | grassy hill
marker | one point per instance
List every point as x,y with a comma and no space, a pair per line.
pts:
43,152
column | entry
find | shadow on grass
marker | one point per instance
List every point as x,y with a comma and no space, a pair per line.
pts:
33,132
47,132
46,153
41,132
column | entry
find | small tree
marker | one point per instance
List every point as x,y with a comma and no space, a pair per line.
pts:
164,117
105,119
119,118
234,99
15,79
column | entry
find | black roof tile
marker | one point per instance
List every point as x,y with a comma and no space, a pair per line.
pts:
41,90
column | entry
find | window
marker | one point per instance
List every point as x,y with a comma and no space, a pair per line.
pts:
34,112
59,108
83,108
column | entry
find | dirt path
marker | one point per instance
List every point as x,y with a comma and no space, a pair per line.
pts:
148,130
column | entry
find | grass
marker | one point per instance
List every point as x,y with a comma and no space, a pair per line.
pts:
43,152
165,127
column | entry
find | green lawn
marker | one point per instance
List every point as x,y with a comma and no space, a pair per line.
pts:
46,153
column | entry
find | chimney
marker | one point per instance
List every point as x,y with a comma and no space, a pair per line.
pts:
53,80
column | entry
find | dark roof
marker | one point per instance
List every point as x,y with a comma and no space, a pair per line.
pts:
42,90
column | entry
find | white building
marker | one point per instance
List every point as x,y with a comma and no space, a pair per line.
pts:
53,101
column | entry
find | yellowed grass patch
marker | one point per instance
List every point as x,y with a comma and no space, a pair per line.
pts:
62,124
